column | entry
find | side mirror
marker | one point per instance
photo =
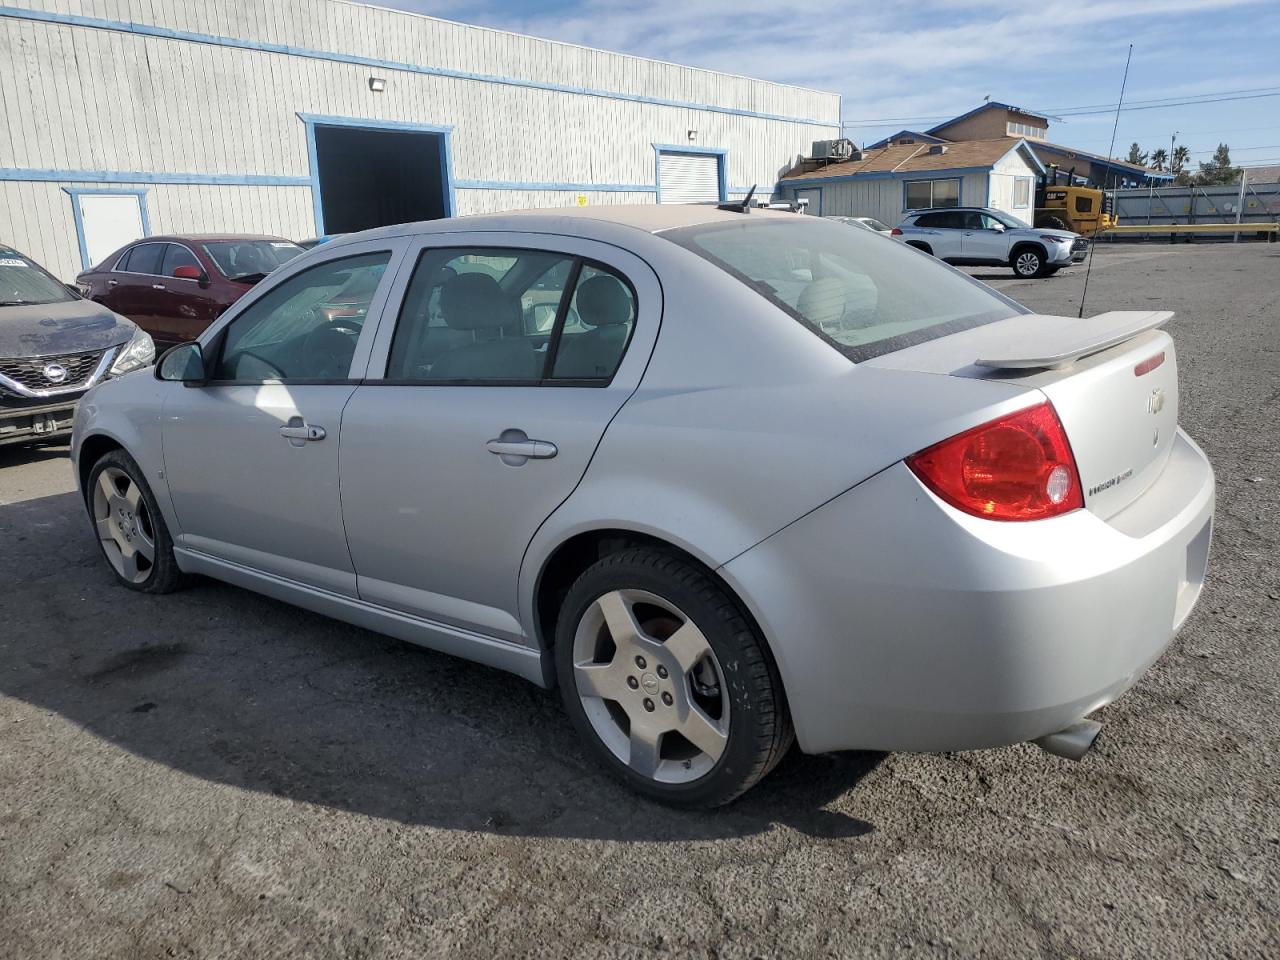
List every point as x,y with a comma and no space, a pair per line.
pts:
191,273
183,363
998,227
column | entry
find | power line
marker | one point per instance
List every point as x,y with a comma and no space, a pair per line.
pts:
1253,93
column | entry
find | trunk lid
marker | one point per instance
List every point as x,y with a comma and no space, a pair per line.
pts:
1114,395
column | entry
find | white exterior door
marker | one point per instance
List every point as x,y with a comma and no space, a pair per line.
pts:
688,177
814,196
109,221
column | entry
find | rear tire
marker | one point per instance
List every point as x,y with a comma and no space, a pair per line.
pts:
129,527
667,682
922,247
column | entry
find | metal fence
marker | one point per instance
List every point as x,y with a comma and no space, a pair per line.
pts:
1255,203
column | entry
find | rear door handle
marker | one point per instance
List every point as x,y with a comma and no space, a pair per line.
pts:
112,283
298,432
157,286
515,447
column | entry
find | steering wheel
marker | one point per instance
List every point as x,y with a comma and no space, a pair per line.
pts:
328,349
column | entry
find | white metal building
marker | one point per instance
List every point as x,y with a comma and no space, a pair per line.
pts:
887,182
121,118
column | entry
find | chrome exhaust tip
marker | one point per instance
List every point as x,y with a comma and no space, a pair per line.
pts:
1072,742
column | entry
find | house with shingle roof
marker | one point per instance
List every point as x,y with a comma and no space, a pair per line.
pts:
896,177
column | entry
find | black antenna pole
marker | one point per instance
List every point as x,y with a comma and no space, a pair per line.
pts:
1110,153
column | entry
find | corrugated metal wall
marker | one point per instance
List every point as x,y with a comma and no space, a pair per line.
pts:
131,94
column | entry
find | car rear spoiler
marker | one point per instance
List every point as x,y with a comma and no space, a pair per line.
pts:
1042,341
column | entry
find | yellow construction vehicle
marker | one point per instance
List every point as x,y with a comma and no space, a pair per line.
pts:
1083,210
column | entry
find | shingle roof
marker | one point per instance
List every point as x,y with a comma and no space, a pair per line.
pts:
912,158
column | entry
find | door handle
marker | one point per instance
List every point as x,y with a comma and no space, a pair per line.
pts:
515,447
157,286
112,283
298,432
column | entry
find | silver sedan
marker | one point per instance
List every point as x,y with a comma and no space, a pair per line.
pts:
727,479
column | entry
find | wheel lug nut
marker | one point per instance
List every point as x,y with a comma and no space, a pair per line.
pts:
666,698
632,682
662,671
640,662
648,704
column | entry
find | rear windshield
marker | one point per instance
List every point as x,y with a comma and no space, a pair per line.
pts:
864,294
22,282
250,259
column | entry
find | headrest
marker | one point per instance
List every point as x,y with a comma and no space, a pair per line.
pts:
603,301
474,301
822,301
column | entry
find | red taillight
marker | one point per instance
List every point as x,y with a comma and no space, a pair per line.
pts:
1018,467
895,232
1149,364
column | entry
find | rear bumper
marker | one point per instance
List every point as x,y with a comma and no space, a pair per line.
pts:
899,623
29,424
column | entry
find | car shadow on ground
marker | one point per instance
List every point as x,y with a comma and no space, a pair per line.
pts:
17,454
238,689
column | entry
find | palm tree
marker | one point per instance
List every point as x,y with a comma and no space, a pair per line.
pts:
1159,157
1181,157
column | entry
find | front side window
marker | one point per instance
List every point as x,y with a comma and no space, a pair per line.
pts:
863,296
926,194
178,256
24,282
306,328
505,316
250,260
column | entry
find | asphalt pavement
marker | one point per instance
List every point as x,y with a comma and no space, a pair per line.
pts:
214,773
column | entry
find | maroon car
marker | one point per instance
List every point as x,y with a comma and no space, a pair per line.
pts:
175,286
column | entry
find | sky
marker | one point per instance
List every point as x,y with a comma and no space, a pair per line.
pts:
913,65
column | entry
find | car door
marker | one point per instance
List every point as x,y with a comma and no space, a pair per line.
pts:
942,233
985,238
183,308
129,289
457,445
251,456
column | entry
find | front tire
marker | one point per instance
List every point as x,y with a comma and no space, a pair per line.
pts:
129,527
667,682
1028,263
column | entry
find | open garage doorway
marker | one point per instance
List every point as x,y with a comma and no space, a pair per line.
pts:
374,175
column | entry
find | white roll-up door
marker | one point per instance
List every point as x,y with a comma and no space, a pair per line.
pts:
689,177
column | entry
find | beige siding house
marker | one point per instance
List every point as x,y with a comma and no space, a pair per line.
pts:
887,182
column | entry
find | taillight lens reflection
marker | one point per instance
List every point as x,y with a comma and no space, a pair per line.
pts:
1018,467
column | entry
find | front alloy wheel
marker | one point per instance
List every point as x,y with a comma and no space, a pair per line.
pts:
124,525
667,681
1028,264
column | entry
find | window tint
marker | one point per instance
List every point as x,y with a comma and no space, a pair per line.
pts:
863,296
145,258
597,326
970,220
931,220
490,315
306,328
176,255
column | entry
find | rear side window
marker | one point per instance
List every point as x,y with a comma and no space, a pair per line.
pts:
144,258
516,317
861,295
940,221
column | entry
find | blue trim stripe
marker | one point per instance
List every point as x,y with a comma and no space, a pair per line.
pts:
77,192
165,33
138,176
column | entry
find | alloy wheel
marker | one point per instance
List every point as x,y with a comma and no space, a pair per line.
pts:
651,686
124,525
1028,264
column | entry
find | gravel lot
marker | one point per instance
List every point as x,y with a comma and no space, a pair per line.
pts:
216,774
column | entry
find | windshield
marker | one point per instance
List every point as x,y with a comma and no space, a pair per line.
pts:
863,296
22,282
250,259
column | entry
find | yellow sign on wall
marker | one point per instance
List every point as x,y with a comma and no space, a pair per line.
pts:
582,199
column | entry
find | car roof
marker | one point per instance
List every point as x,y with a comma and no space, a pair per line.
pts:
649,218
209,237
916,213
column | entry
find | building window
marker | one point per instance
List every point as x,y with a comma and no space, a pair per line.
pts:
1026,130
924,194
1021,192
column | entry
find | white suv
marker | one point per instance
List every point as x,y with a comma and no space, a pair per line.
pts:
982,236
